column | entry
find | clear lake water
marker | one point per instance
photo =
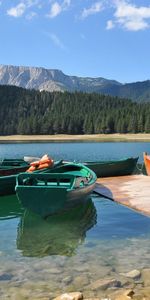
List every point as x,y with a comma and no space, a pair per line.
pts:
63,253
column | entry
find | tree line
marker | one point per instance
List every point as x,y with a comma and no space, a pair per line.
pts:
33,112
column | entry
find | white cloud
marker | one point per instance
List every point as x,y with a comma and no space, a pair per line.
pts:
126,14
110,25
17,11
130,16
57,8
95,8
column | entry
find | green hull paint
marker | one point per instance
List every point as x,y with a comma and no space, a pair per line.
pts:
12,162
8,182
113,168
7,185
50,193
10,207
12,170
39,200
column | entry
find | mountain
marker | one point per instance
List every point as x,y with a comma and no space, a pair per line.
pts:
50,80
55,80
137,91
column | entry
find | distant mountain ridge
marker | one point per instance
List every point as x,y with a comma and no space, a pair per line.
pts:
55,80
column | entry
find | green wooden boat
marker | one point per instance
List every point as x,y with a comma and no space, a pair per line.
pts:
12,170
7,185
8,171
12,166
8,177
113,168
13,162
61,189
59,234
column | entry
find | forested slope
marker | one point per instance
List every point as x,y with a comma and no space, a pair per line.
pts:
32,112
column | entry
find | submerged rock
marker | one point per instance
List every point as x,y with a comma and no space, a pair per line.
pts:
70,296
129,293
146,277
55,270
5,276
67,280
134,274
123,295
81,281
105,284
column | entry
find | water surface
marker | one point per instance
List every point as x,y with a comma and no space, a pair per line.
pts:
43,258
80,151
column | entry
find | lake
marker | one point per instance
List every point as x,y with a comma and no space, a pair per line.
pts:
80,151
41,259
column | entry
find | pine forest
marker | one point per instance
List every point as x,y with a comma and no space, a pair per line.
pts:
33,112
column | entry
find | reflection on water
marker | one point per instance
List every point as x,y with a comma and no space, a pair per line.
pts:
57,235
69,252
10,207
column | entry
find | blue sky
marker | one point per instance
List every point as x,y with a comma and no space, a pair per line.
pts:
102,38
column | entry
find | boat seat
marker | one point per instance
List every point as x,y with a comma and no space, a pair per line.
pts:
39,180
77,173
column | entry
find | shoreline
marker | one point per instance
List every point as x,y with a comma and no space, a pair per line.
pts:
68,138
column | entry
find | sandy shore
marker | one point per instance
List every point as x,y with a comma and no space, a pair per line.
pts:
61,137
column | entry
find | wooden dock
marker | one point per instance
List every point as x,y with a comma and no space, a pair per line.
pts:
132,191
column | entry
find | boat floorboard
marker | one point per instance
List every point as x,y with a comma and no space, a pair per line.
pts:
132,191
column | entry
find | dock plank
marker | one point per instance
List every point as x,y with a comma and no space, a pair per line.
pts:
132,191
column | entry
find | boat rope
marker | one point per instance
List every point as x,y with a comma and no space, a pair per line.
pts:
142,167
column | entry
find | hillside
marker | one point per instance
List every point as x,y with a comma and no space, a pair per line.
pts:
55,80
31,112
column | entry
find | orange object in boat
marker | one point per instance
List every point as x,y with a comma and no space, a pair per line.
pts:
147,163
31,169
35,163
44,162
44,158
45,165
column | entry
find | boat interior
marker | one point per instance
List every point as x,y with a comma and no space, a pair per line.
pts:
69,176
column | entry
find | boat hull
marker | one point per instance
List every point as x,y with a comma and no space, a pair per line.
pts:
13,162
8,179
113,168
50,193
47,201
7,185
147,163
12,170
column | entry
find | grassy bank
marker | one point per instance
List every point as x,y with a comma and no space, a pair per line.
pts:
61,137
